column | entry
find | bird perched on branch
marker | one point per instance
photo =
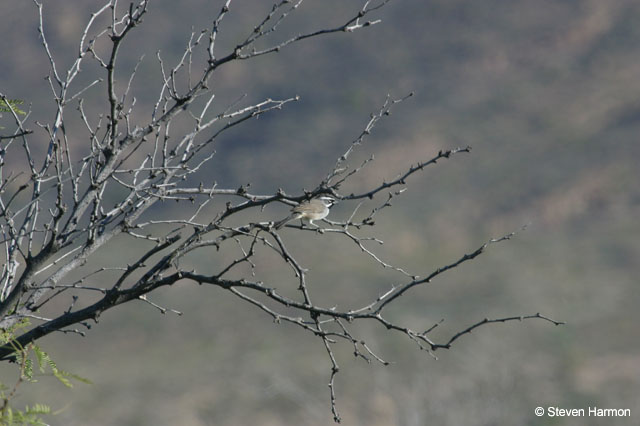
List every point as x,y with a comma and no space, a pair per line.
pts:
314,209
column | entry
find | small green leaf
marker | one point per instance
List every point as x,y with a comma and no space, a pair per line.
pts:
12,104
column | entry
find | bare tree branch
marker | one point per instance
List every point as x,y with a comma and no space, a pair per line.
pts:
57,216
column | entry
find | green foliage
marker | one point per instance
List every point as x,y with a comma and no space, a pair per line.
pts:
26,358
7,335
28,416
11,104
63,376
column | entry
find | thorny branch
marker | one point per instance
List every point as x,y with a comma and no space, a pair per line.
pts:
54,215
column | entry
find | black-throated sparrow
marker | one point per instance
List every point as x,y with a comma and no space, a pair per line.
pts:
314,209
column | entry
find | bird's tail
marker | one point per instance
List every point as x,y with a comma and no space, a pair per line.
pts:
284,221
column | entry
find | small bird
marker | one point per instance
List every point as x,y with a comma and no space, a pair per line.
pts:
315,209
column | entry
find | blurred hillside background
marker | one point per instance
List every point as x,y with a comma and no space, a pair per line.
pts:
547,94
